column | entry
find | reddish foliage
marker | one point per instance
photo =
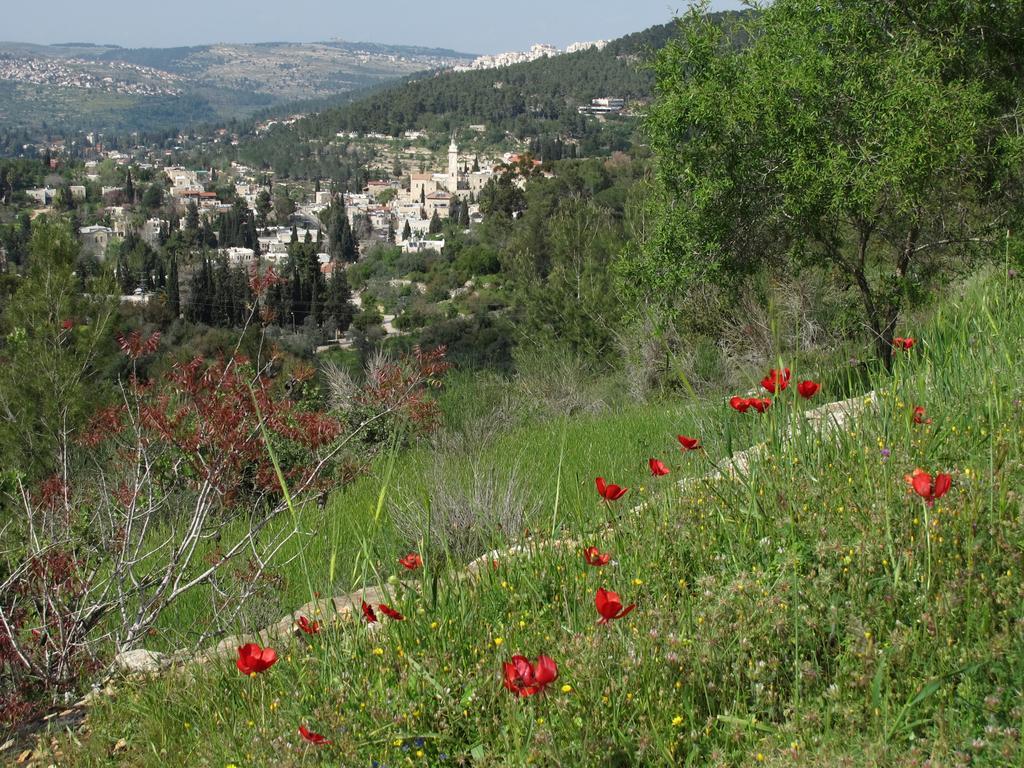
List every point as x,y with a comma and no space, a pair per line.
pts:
258,283
135,346
104,424
43,651
401,388
210,414
52,493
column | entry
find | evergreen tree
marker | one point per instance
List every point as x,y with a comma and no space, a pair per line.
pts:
263,208
125,278
407,231
350,245
129,189
338,309
173,290
435,224
191,217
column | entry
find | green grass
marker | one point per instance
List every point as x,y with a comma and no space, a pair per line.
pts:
810,613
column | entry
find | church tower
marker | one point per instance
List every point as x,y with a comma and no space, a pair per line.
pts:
453,166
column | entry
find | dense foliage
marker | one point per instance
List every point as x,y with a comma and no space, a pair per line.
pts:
856,137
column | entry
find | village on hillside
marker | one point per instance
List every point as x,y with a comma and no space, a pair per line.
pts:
414,193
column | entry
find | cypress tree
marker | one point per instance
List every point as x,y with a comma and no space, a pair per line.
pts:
338,310
173,290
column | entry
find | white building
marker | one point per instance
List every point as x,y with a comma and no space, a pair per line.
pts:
419,246
43,195
239,257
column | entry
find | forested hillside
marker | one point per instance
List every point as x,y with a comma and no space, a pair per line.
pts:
534,99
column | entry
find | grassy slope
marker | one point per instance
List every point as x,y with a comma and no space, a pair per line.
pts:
811,611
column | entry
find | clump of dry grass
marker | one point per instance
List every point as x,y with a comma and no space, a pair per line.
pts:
468,509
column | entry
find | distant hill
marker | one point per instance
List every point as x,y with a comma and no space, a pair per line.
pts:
76,86
545,89
537,100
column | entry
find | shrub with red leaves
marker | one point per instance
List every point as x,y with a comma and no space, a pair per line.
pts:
395,402
210,417
42,638
189,453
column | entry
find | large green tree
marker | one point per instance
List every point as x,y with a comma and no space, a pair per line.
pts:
832,133
55,340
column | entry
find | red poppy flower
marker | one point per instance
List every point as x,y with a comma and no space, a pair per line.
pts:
741,404
688,443
760,404
919,413
905,344
658,469
776,380
928,489
368,613
311,737
595,557
390,612
808,389
610,491
67,325
252,659
411,562
610,606
307,626
526,679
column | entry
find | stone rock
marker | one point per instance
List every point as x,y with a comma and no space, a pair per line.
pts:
141,662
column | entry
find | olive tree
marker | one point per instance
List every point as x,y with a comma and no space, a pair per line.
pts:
815,132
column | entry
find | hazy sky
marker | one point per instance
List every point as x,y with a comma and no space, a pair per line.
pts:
476,26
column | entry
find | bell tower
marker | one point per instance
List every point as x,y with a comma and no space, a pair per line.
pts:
453,166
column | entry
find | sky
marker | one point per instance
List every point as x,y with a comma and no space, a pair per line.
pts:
471,26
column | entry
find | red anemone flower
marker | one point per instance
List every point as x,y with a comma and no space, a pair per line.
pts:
252,659
368,613
411,562
390,612
658,468
688,443
740,404
919,413
610,491
307,626
760,404
808,389
593,556
311,737
928,489
525,679
776,381
610,606
905,344
67,325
